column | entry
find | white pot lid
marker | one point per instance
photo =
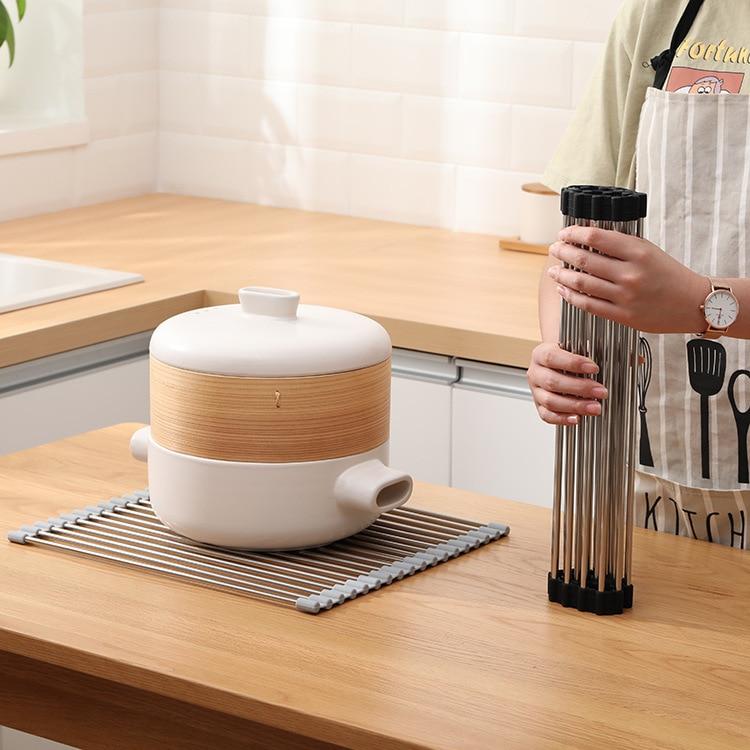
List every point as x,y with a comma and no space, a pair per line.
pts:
269,334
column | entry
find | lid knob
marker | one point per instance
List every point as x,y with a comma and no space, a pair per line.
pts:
276,303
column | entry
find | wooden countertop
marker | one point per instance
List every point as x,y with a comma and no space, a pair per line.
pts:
434,290
469,655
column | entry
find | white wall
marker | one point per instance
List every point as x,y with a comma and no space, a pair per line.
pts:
121,97
424,111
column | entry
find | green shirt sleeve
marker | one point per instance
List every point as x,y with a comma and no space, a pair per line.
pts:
600,143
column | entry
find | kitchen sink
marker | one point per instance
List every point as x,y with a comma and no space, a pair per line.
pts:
25,282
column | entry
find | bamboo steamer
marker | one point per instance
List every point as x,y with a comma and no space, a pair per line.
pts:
270,423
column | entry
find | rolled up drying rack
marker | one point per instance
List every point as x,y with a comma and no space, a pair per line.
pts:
592,520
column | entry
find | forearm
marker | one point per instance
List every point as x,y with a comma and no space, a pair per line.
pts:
549,307
633,282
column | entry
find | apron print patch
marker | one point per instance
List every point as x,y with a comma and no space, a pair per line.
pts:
717,517
694,81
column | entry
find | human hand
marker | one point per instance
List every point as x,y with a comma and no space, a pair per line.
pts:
560,393
631,281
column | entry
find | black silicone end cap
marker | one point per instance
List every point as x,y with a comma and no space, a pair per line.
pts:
597,203
589,599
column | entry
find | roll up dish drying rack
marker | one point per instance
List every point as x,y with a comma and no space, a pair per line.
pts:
592,521
401,543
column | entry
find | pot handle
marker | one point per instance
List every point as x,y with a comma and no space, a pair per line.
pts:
373,488
139,444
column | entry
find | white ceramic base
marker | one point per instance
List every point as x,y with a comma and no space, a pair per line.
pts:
269,506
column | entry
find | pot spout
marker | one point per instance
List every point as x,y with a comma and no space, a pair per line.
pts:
373,488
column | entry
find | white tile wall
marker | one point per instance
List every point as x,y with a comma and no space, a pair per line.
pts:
457,131
306,178
36,183
417,61
488,200
585,20
479,16
425,111
289,49
120,41
115,168
419,192
199,165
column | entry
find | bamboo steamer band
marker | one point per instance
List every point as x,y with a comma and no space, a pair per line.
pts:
270,420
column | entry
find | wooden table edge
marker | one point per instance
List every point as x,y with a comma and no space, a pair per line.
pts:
217,701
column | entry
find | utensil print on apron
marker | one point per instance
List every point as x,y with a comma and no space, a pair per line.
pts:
742,420
707,366
644,381
693,159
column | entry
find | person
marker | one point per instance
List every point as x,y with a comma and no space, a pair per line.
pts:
668,113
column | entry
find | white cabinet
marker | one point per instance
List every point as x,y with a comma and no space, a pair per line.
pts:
66,394
74,392
500,446
421,415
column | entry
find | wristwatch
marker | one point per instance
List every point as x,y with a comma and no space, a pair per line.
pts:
721,309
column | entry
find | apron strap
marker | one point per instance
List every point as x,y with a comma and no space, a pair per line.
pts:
662,63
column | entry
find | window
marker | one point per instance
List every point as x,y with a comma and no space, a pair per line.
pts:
41,93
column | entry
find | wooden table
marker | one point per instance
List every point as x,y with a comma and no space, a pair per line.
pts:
469,655
434,290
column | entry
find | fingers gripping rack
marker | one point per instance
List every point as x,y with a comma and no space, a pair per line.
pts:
400,543
592,517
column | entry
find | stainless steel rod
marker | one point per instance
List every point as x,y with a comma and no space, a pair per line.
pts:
279,595
450,520
416,532
123,549
324,562
409,545
224,561
387,548
414,521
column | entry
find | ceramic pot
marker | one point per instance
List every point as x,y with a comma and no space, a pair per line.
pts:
269,423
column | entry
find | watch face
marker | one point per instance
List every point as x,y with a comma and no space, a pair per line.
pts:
721,309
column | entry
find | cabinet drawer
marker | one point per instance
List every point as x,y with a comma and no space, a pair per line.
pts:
75,392
421,415
500,446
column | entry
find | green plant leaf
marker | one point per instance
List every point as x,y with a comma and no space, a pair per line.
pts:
21,9
6,33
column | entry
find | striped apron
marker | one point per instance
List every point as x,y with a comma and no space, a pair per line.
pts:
693,160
